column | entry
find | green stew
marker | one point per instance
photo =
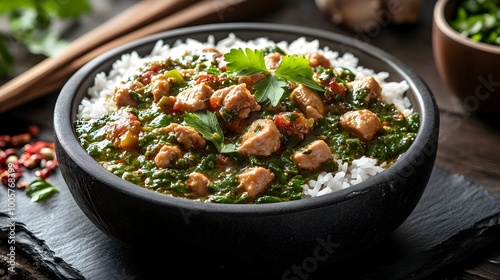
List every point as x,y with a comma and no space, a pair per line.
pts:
247,126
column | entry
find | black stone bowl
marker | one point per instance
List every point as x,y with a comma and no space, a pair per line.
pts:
307,232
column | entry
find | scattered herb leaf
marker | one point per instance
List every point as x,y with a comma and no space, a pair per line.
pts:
39,190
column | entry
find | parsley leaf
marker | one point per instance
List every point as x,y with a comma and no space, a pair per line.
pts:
246,62
292,68
270,88
207,125
296,69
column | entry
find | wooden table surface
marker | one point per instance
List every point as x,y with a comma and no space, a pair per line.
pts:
468,144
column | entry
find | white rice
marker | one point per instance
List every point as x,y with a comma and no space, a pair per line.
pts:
99,100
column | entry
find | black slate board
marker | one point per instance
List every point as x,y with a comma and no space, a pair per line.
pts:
454,219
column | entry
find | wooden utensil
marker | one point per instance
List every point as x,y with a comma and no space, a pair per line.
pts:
51,73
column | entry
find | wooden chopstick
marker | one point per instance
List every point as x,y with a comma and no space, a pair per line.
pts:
132,18
137,16
201,12
207,11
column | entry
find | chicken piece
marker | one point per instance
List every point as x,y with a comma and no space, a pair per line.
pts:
167,156
124,132
367,83
310,103
316,59
160,87
262,138
186,135
197,183
313,156
273,60
193,99
255,180
122,95
361,123
250,81
235,99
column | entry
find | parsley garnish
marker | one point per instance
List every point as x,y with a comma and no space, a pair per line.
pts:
207,125
246,62
292,68
269,88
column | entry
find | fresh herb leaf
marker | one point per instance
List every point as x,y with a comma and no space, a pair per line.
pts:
296,69
39,190
207,125
270,88
245,62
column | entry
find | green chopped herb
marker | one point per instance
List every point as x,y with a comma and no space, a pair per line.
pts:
479,20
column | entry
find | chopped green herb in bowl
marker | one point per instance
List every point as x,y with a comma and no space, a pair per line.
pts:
479,20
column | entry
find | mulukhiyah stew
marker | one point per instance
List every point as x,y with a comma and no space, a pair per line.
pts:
246,126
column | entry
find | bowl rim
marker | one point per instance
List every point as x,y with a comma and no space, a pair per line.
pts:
443,25
65,134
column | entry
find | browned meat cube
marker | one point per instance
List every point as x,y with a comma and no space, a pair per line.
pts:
316,59
186,135
235,99
313,156
167,156
310,103
160,87
273,61
367,83
124,132
262,139
255,180
122,95
361,123
197,183
193,99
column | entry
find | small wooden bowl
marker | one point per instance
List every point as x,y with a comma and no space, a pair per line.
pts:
470,69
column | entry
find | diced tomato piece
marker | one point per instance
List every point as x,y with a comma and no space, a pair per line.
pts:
337,87
284,123
211,80
146,75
